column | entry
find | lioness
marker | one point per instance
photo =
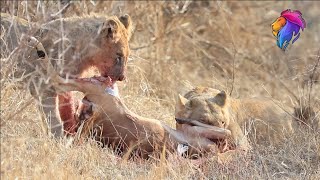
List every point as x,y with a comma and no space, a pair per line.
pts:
113,124
263,120
73,45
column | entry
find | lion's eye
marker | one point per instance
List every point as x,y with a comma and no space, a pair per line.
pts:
119,60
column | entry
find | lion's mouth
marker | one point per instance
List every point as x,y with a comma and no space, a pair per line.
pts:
121,77
113,77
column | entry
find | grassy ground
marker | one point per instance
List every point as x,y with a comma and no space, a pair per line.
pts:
176,46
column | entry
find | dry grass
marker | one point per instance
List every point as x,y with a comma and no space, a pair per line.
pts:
176,46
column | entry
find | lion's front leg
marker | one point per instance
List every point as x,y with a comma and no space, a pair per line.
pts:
239,138
66,106
50,116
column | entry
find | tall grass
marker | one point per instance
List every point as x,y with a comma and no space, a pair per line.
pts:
176,46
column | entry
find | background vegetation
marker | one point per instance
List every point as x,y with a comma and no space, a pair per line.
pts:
177,46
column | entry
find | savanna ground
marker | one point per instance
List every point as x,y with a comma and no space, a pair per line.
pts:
176,46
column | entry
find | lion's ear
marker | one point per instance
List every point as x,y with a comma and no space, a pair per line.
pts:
221,98
181,103
109,29
126,21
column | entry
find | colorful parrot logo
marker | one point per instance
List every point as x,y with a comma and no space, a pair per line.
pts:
286,27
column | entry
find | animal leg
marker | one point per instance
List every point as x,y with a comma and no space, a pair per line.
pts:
49,113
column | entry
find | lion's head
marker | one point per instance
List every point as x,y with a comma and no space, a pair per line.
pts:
94,41
206,105
112,59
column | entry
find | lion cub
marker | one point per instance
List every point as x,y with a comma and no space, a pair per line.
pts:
263,120
74,45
